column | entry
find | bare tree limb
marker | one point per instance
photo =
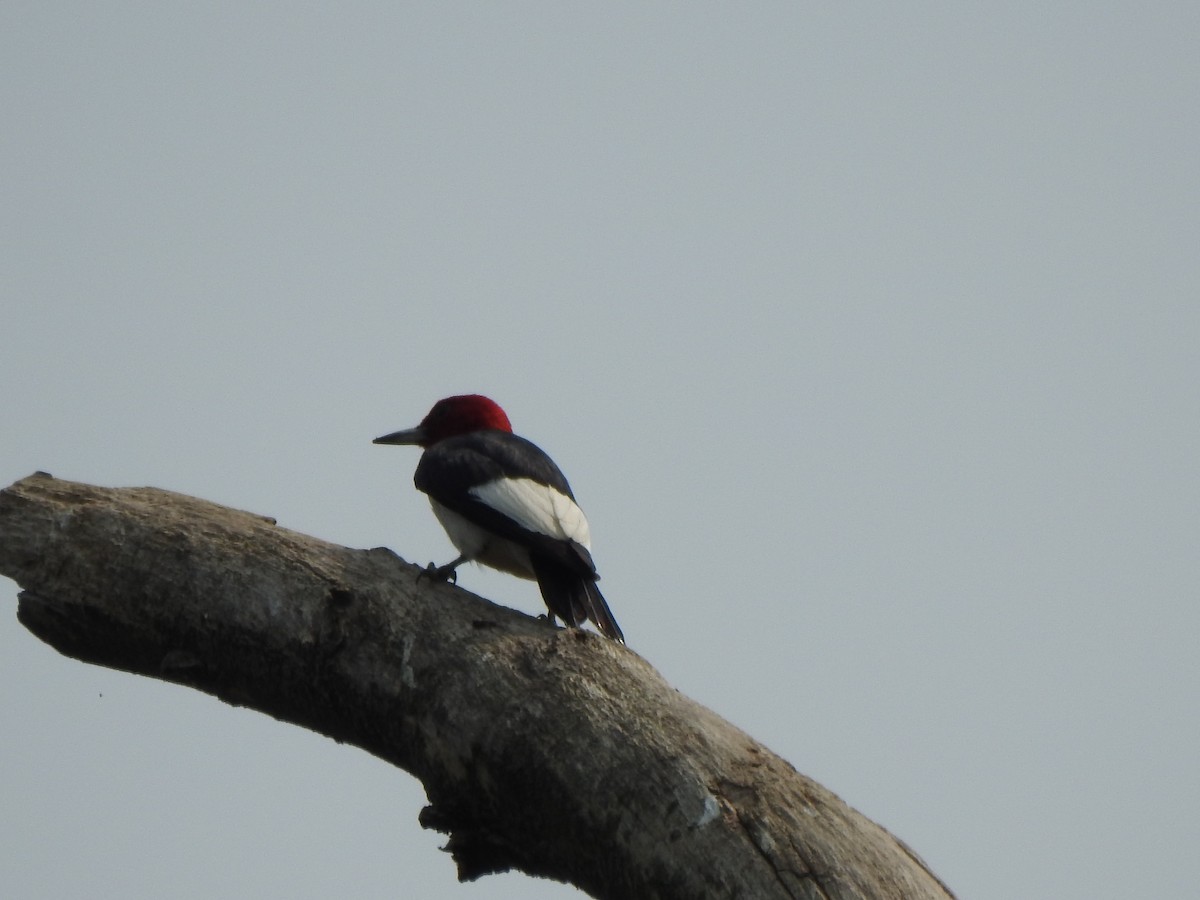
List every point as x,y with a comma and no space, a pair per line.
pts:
552,751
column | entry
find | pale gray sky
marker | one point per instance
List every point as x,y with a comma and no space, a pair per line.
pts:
868,337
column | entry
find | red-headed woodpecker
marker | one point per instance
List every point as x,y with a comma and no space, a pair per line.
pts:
504,503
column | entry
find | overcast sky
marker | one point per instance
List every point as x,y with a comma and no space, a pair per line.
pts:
869,338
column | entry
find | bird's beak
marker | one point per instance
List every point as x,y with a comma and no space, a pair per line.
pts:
408,436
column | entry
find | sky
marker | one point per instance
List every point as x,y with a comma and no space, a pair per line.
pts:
868,337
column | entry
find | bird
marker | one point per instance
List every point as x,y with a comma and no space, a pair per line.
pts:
504,503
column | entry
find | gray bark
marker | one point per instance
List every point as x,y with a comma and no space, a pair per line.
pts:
552,751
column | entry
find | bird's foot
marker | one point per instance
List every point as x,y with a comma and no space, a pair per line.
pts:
434,572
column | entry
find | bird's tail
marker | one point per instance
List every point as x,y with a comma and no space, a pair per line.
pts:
599,613
575,598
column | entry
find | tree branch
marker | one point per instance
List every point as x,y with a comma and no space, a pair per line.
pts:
552,751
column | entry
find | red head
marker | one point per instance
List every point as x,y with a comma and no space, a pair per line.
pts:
452,416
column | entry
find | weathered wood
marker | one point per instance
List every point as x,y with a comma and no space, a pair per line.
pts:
552,751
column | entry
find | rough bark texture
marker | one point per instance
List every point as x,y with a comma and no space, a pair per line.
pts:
552,751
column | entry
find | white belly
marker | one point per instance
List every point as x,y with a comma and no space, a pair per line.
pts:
479,545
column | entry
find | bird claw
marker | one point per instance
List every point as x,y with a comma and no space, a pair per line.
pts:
435,572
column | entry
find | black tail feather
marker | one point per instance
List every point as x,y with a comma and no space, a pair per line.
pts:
600,614
575,598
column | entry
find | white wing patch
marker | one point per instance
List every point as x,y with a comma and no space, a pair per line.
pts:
536,507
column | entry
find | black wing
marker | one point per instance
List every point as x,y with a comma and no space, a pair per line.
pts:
451,468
